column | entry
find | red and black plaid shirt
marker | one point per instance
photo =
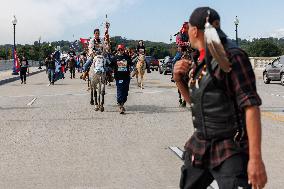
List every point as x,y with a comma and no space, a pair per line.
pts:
241,85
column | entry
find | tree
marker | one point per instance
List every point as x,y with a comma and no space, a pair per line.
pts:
263,48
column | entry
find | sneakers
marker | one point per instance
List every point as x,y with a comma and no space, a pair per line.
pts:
121,109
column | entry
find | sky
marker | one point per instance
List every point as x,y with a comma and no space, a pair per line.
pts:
153,20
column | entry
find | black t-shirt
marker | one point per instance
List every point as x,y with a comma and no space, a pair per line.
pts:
121,65
141,49
50,64
24,65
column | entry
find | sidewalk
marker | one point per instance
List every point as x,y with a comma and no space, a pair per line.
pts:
7,77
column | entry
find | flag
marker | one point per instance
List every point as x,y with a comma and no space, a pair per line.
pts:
16,61
84,42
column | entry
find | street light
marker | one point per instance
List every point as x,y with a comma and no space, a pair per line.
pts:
237,23
14,22
39,57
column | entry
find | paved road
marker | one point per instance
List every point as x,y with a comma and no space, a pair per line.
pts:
52,138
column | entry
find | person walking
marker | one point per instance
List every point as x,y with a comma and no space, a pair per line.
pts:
24,69
226,143
121,64
50,65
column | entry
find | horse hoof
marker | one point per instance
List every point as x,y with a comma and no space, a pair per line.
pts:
96,108
102,109
92,102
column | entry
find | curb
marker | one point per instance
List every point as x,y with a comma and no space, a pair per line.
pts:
12,79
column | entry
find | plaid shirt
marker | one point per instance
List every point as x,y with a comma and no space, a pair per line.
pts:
240,84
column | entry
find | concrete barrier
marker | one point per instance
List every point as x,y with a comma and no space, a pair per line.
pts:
8,64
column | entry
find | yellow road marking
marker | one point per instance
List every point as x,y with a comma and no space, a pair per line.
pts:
273,116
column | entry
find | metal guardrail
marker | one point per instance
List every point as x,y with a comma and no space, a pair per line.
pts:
8,64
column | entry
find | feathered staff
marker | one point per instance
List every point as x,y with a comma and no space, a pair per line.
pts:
215,46
106,37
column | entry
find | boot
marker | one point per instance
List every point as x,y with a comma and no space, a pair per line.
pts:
84,75
183,103
180,102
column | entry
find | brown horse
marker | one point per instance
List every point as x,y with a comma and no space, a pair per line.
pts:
140,70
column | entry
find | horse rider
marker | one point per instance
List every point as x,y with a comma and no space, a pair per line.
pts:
95,44
140,49
226,143
121,64
181,42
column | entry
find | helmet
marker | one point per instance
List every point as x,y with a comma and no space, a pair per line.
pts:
120,46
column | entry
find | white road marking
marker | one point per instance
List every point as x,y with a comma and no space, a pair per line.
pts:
177,151
31,102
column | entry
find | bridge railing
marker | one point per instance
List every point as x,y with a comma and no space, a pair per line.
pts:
259,63
8,64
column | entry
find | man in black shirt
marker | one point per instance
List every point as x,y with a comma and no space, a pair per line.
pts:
50,66
24,69
121,64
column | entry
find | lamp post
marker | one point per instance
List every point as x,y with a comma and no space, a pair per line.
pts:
39,57
14,22
237,23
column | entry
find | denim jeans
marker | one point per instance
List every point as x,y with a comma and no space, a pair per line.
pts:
122,90
51,75
87,65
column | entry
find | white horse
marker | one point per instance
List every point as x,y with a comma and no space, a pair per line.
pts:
97,76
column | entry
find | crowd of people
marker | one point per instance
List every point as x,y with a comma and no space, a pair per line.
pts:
219,89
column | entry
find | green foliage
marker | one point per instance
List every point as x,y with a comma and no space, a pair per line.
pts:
258,47
268,47
155,49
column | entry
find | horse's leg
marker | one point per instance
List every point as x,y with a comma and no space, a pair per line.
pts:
88,82
142,77
103,94
137,75
96,100
180,99
92,96
100,90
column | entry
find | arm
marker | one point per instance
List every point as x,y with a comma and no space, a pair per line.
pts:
242,83
180,70
256,169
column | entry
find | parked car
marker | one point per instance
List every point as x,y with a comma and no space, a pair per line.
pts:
152,62
166,65
274,71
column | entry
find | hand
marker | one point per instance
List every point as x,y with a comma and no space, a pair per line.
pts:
256,174
181,68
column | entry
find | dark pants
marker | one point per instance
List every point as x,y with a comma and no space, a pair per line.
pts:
231,174
23,75
51,75
122,90
72,72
